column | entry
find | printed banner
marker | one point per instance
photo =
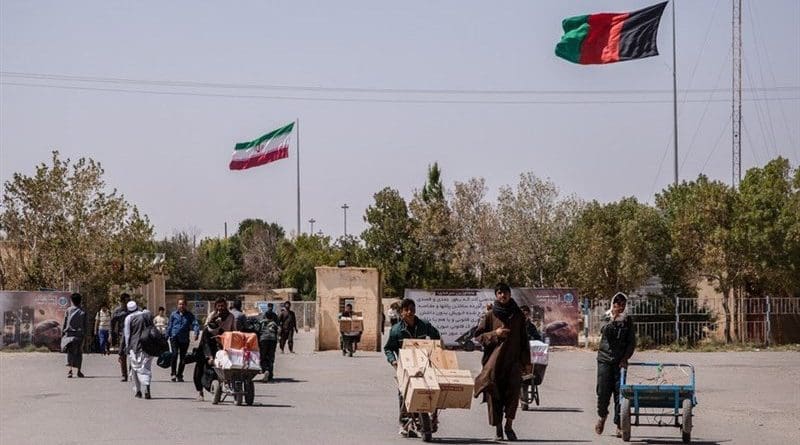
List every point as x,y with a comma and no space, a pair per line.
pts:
456,312
33,318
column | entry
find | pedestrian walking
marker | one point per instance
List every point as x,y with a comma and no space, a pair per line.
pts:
180,322
506,357
140,363
288,323
73,332
409,326
240,319
268,343
102,328
117,337
160,320
617,344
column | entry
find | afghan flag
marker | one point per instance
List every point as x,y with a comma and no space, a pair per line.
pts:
610,37
268,148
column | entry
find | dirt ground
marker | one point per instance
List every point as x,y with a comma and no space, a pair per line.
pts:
743,398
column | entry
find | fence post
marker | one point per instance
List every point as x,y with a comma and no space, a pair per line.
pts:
677,319
767,324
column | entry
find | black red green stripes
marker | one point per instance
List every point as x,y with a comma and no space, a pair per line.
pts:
611,37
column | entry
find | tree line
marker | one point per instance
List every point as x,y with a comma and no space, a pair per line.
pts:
60,225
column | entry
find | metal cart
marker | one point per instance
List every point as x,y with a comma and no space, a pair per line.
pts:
657,399
234,382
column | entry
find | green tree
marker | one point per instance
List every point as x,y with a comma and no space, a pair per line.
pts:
764,219
300,256
388,240
613,247
182,260
260,260
220,263
62,225
533,223
476,233
700,217
432,233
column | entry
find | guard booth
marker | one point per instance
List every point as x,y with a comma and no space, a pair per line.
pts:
359,286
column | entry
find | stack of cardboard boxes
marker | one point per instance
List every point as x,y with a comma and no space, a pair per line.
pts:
352,324
429,378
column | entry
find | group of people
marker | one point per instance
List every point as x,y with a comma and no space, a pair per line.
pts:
504,331
128,324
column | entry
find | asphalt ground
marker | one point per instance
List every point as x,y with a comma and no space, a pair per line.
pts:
325,398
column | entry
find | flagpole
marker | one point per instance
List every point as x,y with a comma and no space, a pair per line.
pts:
297,124
674,93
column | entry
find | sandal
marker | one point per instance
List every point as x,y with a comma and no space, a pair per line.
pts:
69,374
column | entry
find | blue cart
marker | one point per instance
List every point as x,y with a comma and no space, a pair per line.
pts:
657,399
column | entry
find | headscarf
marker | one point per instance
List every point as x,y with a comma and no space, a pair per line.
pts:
506,311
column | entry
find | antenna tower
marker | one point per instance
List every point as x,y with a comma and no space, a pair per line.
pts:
736,93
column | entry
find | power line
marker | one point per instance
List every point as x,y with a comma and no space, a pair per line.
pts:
376,100
195,84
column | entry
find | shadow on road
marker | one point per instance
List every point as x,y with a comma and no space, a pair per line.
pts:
676,440
285,380
464,440
173,398
555,409
553,441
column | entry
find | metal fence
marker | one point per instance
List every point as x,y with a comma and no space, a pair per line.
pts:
661,321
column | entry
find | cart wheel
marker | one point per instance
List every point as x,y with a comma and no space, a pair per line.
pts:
536,394
625,419
427,431
249,392
686,428
216,390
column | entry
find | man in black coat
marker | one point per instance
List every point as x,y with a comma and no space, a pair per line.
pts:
617,343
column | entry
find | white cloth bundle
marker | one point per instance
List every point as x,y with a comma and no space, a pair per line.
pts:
237,359
539,352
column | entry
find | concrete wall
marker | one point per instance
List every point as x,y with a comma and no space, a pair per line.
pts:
363,286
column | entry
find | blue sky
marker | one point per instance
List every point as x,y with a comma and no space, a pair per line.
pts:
599,132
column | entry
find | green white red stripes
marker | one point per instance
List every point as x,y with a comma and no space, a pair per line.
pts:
611,37
268,148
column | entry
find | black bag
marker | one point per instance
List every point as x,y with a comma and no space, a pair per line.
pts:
153,342
165,359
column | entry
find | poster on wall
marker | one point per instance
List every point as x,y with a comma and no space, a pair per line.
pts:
33,318
456,312
555,311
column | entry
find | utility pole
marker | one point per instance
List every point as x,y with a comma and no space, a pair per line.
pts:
345,207
736,93
312,221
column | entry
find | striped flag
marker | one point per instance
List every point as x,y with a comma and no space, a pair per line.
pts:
610,37
268,148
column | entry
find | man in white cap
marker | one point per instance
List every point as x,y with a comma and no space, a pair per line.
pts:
617,343
139,362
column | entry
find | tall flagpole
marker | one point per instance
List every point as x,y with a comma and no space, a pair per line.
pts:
297,124
674,93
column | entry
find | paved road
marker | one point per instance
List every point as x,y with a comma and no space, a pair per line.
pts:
325,398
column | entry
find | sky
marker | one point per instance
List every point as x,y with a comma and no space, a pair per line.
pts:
160,92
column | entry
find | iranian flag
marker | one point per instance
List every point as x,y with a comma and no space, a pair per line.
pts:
268,148
610,37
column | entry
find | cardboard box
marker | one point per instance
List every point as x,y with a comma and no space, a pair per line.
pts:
421,343
444,359
411,361
421,394
347,324
239,340
455,388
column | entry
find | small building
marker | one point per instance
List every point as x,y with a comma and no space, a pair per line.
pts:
337,286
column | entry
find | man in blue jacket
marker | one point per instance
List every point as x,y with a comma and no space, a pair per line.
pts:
180,322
